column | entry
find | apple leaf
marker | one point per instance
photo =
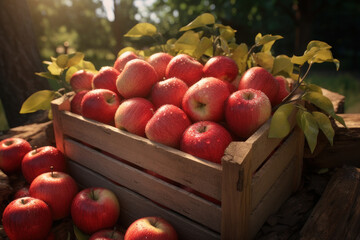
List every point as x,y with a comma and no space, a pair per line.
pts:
282,63
324,55
75,59
280,126
86,65
261,40
300,60
48,75
62,60
40,100
224,46
309,126
126,49
79,234
141,29
204,44
201,21
226,32
54,69
317,44
324,124
240,55
187,42
311,87
263,59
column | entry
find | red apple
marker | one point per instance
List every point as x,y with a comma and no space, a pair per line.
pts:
160,61
167,125
75,104
81,80
133,115
93,209
57,189
284,89
22,192
12,151
169,91
207,140
125,57
205,100
259,78
107,234
186,68
27,219
106,79
40,161
151,228
246,110
100,105
221,67
137,79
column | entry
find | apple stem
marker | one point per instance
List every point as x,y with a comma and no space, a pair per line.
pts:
92,194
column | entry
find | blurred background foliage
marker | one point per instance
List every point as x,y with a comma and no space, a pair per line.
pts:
96,28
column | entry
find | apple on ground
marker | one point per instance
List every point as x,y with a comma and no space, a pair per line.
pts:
93,209
207,140
259,78
75,103
133,114
137,79
160,61
205,100
106,79
57,189
12,151
22,192
167,125
221,67
246,110
125,57
169,91
100,105
284,89
107,234
151,228
81,80
186,68
27,219
40,161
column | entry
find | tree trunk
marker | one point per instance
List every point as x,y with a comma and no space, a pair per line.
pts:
19,60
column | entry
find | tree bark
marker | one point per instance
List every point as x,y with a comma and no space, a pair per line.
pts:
19,60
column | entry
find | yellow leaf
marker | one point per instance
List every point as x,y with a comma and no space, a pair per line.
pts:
62,60
282,63
280,126
265,60
187,42
201,21
141,29
40,100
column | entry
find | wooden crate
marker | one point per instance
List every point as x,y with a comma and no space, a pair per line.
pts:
254,179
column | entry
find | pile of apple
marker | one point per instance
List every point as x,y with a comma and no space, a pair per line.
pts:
53,195
178,101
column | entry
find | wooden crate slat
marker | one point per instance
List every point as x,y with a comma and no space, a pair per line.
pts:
133,206
159,191
196,173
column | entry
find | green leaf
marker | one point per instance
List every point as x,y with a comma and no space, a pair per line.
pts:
201,48
324,124
40,100
201,21
62,60
54,69
141,29
280,126
75,59
265,60
261,40
309,126
324,55
240,55
79,234
282,63
48,75
311,87
300,60
187,42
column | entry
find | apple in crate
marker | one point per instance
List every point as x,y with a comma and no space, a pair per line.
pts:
221,67
107,234
167,125
40,161
207,140
169,91
205,100
137,79
75,104
133,114
125,57
93,209
160,61
150,228
100,105
81,80
284,89
260,79
246,110
186,68
57,189
27,219
12,151
106,79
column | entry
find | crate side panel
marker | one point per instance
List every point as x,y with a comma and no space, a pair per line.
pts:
147,185
201,175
